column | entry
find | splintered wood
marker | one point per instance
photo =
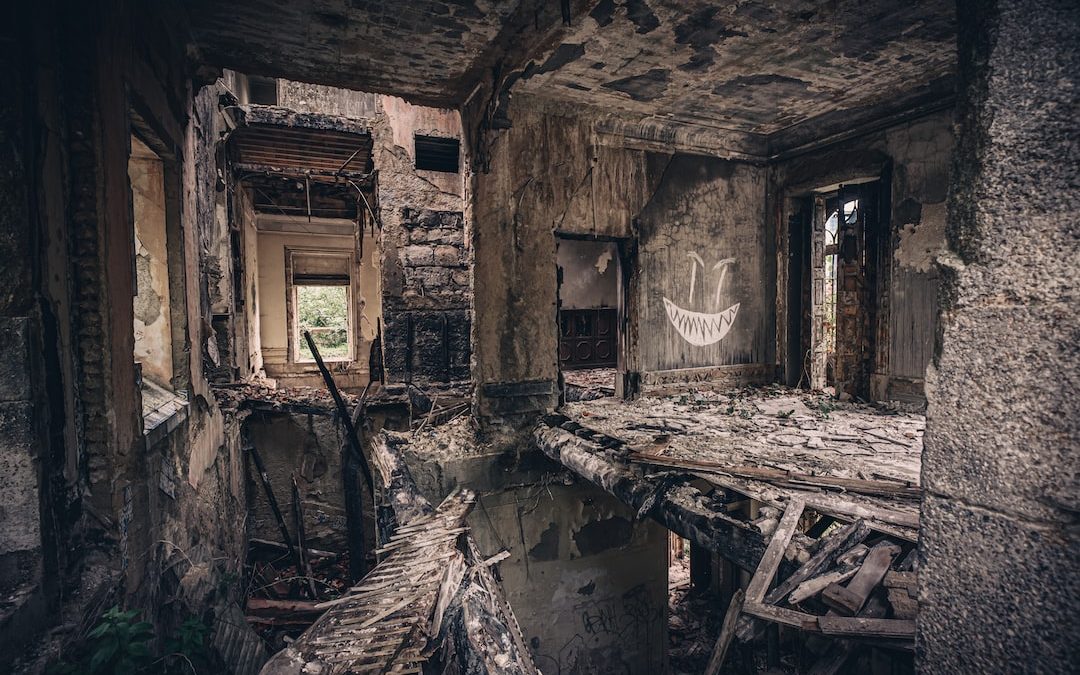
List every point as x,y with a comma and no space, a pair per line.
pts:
384,623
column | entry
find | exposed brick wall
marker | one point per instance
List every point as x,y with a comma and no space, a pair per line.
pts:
427,327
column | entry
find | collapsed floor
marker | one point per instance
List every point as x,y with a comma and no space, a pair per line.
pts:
766,479
728,471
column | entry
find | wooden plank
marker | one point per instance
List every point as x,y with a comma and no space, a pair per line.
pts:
840,541
855,627
812,587
782,615
770,561
267,606
727,633
849,600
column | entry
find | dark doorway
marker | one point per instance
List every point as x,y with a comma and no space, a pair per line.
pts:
590,291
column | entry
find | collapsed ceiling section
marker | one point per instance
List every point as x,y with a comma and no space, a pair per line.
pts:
302,165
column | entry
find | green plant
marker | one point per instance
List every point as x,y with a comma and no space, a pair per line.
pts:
825,408
187,651
118,644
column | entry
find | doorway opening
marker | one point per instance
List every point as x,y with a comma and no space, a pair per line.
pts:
843,304
590,301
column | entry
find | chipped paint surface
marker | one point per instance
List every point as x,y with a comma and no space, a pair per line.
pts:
922,242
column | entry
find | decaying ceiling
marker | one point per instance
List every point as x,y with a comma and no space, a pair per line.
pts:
755,67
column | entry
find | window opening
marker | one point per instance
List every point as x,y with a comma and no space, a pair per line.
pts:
151,303
262,90
322,305
437,154
324,312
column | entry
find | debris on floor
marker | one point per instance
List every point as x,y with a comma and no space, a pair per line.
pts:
589,384
431,597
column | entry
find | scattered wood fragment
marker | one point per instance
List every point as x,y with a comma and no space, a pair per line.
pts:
848,600
901,590
727,633
838,542
853,555
812,587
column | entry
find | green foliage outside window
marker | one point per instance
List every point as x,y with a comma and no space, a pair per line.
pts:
323,310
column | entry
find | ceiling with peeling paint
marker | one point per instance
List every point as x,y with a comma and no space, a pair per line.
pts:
753,66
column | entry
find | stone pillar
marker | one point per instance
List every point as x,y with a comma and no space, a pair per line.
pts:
999,581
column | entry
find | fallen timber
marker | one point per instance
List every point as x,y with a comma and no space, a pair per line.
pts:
613,465
432,601
681,508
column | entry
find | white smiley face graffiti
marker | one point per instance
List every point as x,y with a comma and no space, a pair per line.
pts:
699,328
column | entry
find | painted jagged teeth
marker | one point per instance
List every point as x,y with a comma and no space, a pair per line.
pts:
698,328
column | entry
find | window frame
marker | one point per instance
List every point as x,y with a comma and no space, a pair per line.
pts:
292,305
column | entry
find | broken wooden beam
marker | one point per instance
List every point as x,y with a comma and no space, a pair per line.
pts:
343,412
784,478
301,539
349,463
400,488
683,509
269,607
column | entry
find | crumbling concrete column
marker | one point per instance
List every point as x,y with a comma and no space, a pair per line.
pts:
1000,575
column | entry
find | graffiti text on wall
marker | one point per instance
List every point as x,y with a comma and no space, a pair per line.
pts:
701,328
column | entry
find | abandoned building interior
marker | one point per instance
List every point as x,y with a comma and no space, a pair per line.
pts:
524,336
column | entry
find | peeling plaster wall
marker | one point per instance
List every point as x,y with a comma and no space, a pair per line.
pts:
590,274
587,583
153,323
705,212
915,156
